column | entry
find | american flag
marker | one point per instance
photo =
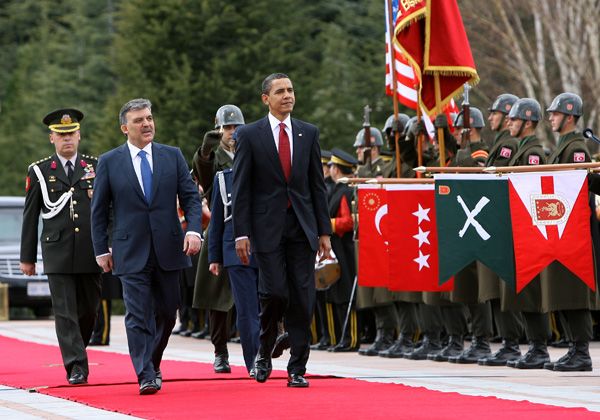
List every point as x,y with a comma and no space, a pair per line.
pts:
406,79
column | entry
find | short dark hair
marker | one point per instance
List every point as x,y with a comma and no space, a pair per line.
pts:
266,84
133,105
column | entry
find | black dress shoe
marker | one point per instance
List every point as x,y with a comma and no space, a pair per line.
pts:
158,379
77,377
252,373
297,381
282,343
263,368
149,387
200,334
221,364
321,345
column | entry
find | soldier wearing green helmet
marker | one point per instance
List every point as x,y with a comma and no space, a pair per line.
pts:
564,292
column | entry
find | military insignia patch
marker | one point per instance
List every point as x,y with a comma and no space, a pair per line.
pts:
533,160
51,178
578,157
505,152
53,165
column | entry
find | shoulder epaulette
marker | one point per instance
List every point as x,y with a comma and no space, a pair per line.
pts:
40,161
89,157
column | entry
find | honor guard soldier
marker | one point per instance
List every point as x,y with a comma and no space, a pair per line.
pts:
342,242
562,290
524,117
508,322
213,293
60,188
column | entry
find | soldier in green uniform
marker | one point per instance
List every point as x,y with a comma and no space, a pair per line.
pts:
524,117
563,291
508,323
210,292
378,299
60,188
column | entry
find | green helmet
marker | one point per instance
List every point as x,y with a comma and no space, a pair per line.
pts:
229,115
376,138
526,109
475,118
402,119
567,103
503,103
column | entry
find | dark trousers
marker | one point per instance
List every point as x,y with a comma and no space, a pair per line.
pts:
286,289
101,333
431,320
508,323
537,326
578,325
75,300
151,301
407,318
324,319
244,287
455,319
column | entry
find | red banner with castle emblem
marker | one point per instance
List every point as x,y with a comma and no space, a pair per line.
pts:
551,221
373,258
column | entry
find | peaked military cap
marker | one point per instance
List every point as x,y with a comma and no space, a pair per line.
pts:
63,120
325,156
339,157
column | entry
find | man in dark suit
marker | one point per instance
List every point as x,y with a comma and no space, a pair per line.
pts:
280,215
141,182
60,188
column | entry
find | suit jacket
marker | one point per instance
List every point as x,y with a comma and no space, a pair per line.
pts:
261,193
221,242
66,241
137,225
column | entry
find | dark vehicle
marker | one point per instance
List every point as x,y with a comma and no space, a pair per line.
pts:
23,291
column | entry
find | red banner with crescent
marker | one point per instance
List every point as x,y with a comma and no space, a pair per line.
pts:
373,260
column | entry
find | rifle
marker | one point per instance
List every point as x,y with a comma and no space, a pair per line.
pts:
367,134
466,115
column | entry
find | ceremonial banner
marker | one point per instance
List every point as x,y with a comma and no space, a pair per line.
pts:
551,221
474,223
373,260
432,36
412,239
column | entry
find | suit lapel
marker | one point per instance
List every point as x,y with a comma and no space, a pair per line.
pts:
299,146
78,171
268,144
157,160
127,165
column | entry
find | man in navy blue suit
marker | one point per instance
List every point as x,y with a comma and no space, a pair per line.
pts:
243,278
280,215
140,182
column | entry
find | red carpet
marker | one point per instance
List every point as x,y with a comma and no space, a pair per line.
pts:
193,390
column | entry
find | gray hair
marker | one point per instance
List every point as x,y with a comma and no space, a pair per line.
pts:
133,105
266,84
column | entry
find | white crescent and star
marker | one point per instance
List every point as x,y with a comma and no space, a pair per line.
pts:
381,211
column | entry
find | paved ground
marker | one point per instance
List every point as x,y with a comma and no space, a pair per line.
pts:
541,386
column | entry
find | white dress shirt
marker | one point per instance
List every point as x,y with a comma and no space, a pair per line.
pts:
63,162
137,160
288,128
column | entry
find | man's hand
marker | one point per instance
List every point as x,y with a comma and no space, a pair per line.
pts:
105,262
27,268
324,247
191,244
215,268
242,249
210,142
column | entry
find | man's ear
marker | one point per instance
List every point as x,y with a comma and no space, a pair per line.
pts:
265,99
124,129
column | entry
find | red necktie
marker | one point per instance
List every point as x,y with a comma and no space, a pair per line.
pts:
284,152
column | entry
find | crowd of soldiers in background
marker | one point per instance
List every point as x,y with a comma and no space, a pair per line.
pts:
421,325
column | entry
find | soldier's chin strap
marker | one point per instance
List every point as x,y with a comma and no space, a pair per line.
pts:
54,207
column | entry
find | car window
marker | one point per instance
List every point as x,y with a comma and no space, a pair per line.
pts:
10,224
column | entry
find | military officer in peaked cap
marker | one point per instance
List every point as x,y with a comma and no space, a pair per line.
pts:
60,188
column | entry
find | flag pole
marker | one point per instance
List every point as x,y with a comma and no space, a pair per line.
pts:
438,110
385,180
591,166
420,135
394,87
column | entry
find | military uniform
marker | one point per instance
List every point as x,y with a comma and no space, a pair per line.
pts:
69,260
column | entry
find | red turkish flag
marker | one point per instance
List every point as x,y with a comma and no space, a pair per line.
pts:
372,245
413,239
551,221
